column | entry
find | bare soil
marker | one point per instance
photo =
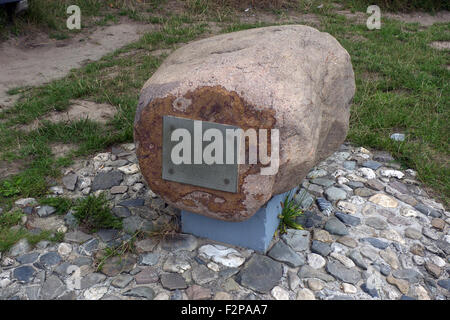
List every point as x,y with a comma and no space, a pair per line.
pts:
9,168
31,62
61,149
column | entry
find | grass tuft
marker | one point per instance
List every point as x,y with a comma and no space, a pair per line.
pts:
11,232
290,211
127,246
93,213
61,204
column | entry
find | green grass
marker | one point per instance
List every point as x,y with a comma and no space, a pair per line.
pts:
401,5
10,219
8,188
127,246
51,15
402,86
11,231
61,204
93,213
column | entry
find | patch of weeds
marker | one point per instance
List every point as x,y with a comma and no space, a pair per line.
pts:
128,246
94,213
155,4
30,182
172,32
17,90
8,189
10,236
10,219
106,19
290,211
222,10
56,237
198,7
120,250
164,229
51,15
11,232
52,236
61,204
400,5
59,35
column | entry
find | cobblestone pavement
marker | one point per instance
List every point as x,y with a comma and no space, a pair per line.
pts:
371,232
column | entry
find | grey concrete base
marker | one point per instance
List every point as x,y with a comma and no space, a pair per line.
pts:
254,233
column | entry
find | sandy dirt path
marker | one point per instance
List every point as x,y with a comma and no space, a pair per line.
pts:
38,63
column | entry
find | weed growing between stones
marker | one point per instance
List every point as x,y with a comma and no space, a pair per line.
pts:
61,204
10,219
127,246
290,210
94,213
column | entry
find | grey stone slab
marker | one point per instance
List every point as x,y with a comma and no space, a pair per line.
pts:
283,253
337,270
106,180
260,274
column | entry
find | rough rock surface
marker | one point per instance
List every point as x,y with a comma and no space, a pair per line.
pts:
250,79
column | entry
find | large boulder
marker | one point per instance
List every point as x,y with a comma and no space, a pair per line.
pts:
292,78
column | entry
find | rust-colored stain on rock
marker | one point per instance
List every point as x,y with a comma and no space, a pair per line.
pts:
208,103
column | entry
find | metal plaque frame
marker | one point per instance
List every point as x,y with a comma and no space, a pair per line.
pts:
223,177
